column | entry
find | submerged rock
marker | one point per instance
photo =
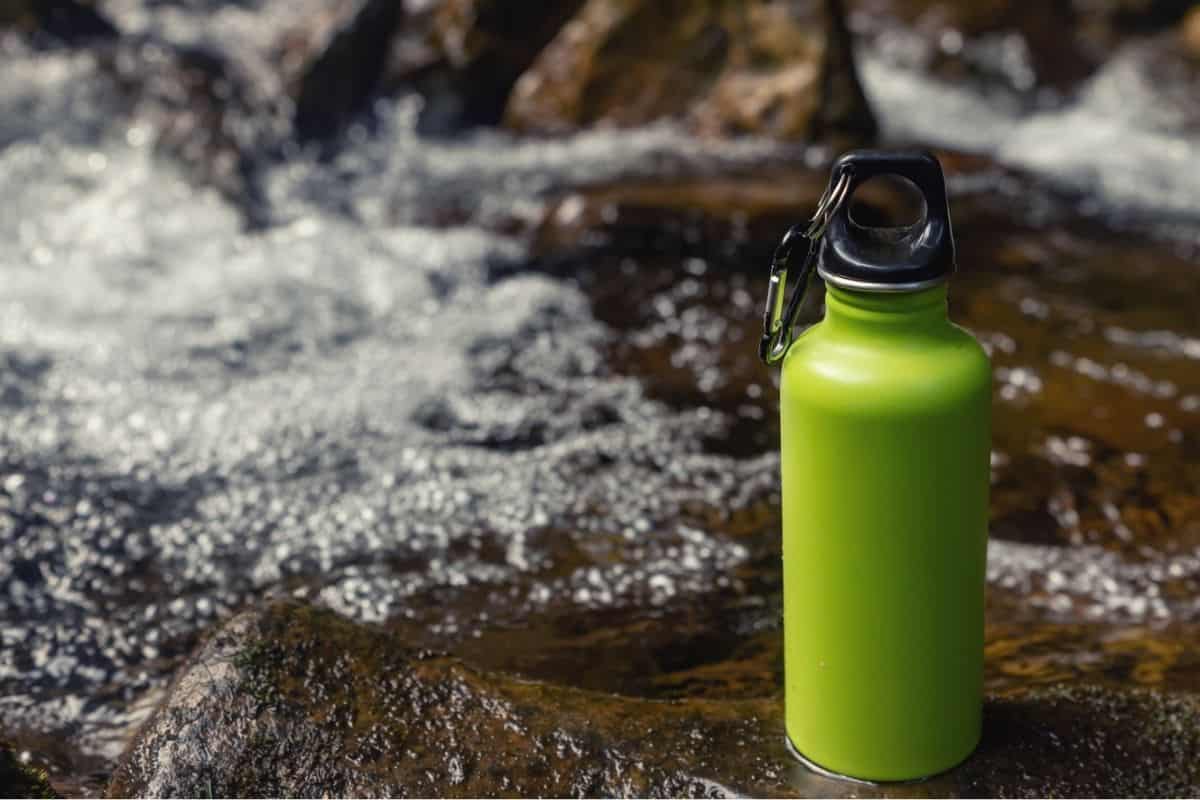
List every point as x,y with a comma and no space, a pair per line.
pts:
781,69
292,700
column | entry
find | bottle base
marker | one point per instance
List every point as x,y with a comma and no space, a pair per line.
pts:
828,773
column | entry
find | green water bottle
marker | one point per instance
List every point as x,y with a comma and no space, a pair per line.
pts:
885,424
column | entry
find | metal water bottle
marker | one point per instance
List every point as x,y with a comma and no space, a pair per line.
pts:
885,420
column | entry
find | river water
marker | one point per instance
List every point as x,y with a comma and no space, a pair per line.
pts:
380,397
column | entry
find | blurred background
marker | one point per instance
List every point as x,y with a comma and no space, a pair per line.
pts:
443,315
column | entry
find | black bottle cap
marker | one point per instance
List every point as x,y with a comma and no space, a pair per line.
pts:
899,259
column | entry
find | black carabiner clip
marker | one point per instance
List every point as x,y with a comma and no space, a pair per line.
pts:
779,321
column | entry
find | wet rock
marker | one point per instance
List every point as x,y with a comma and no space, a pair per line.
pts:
464,57
1084,741
18,778
293,700
780,69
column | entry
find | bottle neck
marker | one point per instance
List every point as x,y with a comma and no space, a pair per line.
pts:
845,308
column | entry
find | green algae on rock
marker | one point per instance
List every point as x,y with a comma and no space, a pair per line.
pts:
292,700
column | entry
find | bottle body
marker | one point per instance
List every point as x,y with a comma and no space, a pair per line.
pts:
885,422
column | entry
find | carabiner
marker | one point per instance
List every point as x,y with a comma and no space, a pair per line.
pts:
780,321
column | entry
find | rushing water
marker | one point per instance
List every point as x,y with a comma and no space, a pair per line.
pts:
371,401
348,404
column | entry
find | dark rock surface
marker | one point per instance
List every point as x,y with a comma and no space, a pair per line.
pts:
290,700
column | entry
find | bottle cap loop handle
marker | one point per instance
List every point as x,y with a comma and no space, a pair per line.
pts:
890,259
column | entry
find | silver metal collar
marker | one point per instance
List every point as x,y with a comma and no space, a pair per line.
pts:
882,288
